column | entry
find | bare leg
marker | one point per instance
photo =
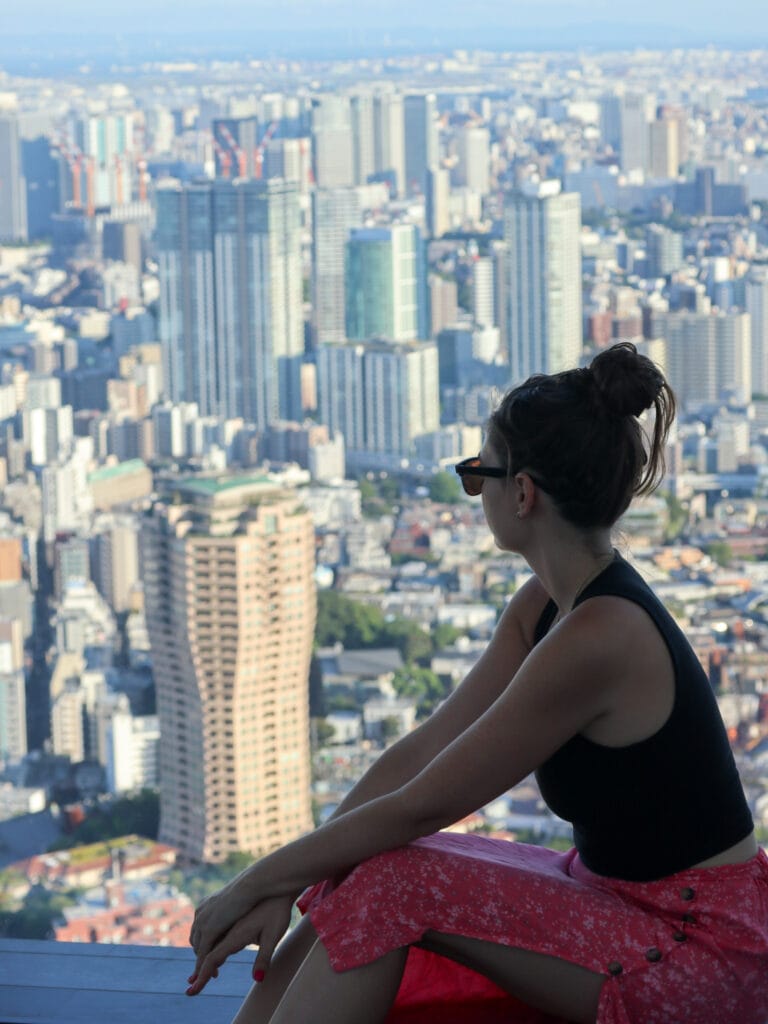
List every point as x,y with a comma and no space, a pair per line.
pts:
362,995
543,982
263,999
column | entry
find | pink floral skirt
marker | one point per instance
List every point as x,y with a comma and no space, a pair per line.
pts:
691,948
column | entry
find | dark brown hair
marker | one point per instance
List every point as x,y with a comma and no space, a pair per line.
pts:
578,435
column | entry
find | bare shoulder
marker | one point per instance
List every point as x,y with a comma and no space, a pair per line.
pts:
523,612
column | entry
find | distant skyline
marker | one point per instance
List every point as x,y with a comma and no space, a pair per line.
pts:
341,27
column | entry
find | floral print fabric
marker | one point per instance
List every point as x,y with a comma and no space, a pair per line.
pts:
688,949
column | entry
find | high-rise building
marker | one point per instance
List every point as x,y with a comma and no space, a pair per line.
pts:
332,142
473,168
708,355
340,392
230,597
483,291
663,148
541,231
231,325
361,114
438,195
40,168
13,199
335,212
13,719
637,110
385,284
422,147
401,398
107,147
663,250
757,306
389,140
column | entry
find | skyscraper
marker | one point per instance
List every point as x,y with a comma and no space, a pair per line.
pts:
334,213
389,139
708,355
473,168
332,141
637,110
230,297
541,230
13,721
361,112
757,307
229,581
438,192
385,284
421,140
13,205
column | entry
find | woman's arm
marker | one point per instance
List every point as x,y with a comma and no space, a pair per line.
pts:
566,682
510,644
403,761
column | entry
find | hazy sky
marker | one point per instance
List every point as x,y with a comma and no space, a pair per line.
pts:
641,23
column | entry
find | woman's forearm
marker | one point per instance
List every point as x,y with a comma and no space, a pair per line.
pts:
378,825
394,768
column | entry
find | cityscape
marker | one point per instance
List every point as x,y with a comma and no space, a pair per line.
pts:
253,310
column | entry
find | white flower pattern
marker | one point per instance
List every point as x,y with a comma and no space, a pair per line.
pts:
691,948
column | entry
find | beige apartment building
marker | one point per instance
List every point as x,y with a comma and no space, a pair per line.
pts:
228,569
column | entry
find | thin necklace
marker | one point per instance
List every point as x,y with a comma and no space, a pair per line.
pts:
583,586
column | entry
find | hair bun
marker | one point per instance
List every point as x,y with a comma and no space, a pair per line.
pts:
626,382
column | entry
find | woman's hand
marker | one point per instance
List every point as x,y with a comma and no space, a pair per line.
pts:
263,926
217,913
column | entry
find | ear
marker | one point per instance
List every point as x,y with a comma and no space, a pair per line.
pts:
525,494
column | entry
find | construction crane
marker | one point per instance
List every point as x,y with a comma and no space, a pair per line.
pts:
242,169
258,154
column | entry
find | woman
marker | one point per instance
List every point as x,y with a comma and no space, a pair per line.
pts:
660,914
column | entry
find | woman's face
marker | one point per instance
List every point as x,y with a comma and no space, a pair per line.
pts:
498,498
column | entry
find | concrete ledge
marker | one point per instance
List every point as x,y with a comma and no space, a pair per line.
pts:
75,983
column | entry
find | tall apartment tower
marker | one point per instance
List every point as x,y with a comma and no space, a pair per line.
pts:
757,307
389,139
385,284
13,200
363,157
708,355
473,144
437,199
422,149
13,718
229,577
335,212
543,258
637,111
231,326
332,141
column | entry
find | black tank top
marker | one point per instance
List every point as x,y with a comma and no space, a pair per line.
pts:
646,810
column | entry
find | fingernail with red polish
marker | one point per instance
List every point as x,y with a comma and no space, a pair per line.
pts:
258,975
191,979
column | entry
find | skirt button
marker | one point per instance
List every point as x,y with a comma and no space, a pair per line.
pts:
689,919
687,894
653,955
679,936
615,968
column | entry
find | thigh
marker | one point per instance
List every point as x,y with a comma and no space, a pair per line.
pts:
262,1000
543,982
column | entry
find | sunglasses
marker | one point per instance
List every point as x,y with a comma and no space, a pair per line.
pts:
471,472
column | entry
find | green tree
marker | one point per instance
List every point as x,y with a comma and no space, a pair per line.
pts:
421,684
128,815
409,638
720,551
445,488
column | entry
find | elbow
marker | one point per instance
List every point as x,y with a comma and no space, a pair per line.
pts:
420,817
